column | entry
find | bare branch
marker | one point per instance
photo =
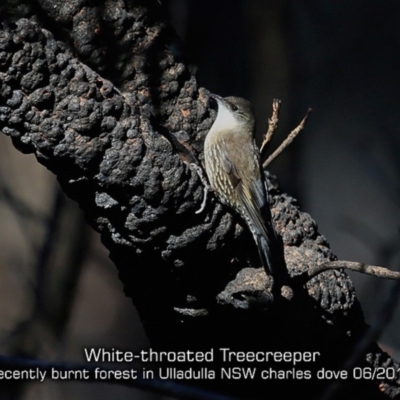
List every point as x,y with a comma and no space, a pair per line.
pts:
272,125
292,135
380,272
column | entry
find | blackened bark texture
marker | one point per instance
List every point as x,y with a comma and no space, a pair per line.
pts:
101,94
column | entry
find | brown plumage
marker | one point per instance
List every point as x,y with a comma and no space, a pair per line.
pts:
232,162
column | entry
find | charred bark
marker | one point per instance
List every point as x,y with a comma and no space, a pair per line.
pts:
102,95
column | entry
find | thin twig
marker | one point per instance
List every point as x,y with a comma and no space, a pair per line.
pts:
292,135
272,125
374,270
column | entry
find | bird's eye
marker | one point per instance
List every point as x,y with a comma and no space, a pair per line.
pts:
234,108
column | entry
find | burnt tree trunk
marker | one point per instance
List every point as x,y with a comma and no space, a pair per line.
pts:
102,95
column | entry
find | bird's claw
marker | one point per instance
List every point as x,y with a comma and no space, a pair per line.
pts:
207,187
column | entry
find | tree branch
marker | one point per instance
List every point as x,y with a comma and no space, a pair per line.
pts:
272,126
105,116
292,135
379,272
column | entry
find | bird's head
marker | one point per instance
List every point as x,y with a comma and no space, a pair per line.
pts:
233,113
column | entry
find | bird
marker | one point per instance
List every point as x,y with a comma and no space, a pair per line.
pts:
232,164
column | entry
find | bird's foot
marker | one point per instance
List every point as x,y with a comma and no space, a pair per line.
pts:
207,187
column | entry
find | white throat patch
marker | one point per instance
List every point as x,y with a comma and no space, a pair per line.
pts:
225,119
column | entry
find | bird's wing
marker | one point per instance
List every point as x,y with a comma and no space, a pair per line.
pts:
231,170
250,189
254,198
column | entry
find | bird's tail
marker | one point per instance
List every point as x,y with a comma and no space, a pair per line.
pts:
264,250
270,248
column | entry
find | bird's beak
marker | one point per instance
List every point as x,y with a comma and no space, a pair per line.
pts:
215,100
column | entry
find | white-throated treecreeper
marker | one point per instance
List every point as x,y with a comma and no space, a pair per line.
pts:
232,162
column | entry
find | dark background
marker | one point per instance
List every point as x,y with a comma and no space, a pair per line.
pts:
341,58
